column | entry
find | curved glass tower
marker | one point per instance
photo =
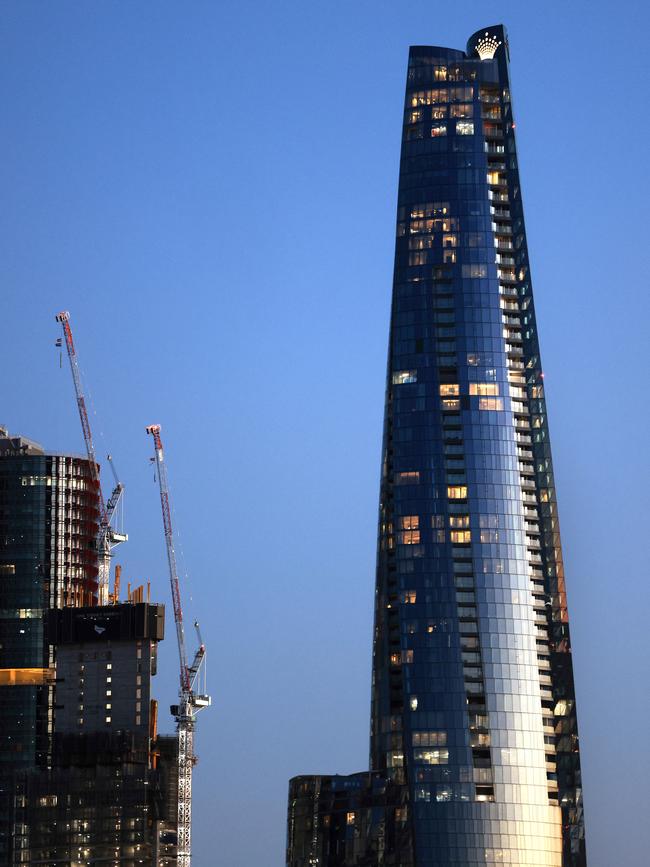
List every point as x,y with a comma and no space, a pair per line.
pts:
474,740
473,704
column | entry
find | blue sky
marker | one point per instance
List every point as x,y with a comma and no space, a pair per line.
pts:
210,190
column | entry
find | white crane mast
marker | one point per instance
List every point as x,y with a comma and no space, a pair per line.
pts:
191,702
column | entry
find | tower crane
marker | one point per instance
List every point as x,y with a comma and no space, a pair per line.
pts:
191,699
107,536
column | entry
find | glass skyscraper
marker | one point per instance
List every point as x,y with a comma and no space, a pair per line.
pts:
49,514
473,704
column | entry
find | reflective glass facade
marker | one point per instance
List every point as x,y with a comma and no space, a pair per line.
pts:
48,523
473,707
473,704
347,821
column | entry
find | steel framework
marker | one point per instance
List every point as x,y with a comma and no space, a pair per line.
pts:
191,701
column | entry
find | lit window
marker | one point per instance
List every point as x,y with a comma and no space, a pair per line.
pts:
108,706
109,679
459,521
431,757
484,389
464,127
433,96
409,522
350,819
465,110
460,537
404,377
413,703
415,117
493,403
108,719
407,478
438,129
108,692
109,665
409,597
457,492
449,389
451,404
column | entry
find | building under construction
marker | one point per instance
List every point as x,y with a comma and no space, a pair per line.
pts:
48,524
109,795
84,776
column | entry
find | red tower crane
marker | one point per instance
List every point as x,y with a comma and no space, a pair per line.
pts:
191,700
107,536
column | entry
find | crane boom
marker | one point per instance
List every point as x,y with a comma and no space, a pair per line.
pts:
64,319
106,536
191,702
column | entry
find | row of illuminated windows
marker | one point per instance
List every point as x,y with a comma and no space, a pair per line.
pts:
456,537
426,210
472,271
495,404
463,127
482,389
476,389
442,95
449,257
419,241
440,112
440,72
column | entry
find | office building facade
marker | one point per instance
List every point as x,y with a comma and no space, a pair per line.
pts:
473,704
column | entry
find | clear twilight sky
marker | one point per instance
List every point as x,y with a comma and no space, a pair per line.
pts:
210,189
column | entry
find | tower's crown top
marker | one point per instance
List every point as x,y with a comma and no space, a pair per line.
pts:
487,45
